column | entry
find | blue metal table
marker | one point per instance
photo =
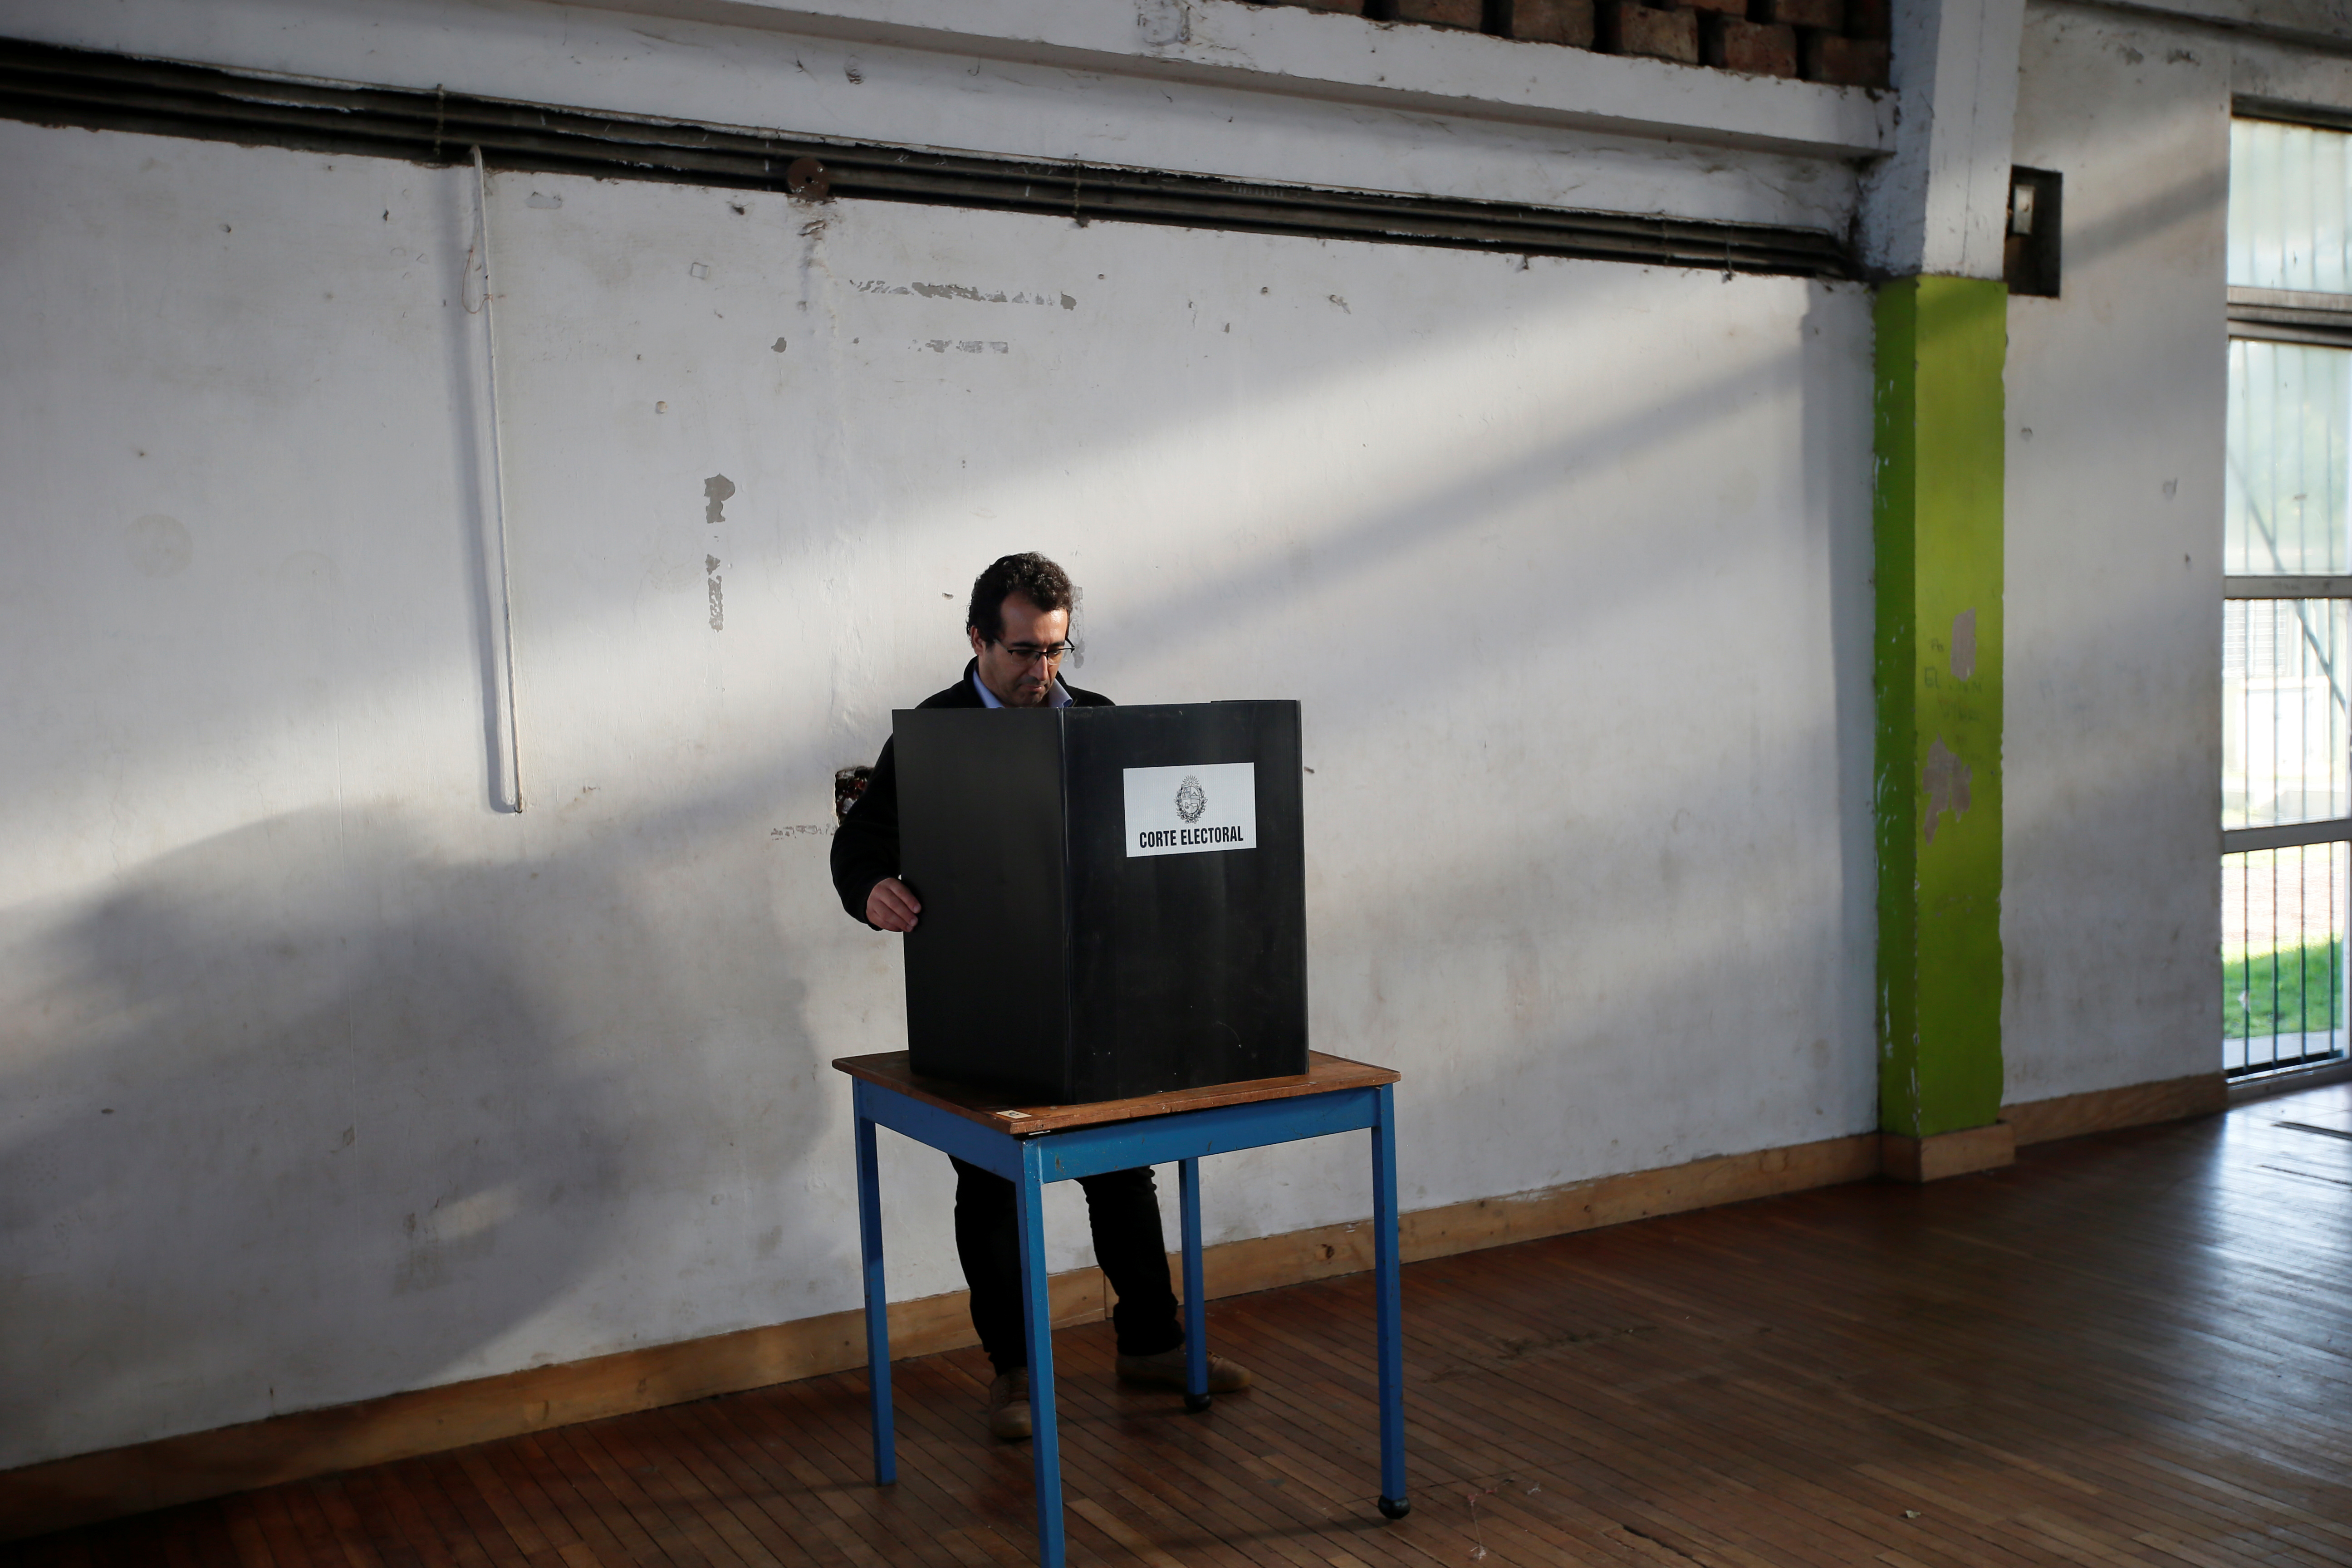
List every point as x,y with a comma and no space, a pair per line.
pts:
1030,1146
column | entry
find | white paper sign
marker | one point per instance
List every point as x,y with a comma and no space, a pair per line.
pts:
1192,810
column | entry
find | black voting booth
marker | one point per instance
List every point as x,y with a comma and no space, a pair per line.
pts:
1113,899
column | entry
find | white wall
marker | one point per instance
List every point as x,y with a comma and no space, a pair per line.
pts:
325,1077
2117,399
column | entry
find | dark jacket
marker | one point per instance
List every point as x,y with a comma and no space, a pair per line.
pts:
865,847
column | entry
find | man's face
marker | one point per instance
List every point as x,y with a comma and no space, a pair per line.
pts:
1011,666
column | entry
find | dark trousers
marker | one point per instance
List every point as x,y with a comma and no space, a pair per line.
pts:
1124,1209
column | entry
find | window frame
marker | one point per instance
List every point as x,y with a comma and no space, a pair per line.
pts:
2319,320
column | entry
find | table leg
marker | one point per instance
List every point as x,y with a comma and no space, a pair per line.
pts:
1196,1301
1387,1292
877,1305
1037,1313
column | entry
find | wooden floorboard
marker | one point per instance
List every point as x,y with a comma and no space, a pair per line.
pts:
2128,1349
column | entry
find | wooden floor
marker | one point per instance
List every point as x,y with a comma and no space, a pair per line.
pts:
2133,1348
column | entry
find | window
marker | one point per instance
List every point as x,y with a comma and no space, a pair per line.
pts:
2286,749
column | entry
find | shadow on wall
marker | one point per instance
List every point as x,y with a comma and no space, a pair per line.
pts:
320,1113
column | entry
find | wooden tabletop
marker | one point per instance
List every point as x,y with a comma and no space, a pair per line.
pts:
1008,1113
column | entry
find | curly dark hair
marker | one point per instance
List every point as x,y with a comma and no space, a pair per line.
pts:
1029,574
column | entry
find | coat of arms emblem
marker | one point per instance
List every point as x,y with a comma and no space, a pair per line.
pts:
1190,799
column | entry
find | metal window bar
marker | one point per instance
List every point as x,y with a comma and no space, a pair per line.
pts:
2284,961
2287,796
2286,841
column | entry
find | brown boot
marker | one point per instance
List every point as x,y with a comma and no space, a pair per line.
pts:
1008,1405
1166,1369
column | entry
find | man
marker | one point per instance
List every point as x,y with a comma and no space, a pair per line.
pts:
1019,623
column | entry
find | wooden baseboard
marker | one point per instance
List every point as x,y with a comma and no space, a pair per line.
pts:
1943,1154
86,1487
1264,1263
116,1482
2105,1110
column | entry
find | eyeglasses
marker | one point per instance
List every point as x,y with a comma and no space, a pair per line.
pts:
1030,653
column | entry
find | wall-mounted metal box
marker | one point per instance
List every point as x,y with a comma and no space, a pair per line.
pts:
1113,899
2030,242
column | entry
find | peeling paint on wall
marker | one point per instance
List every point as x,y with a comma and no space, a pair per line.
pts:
718,594
963,291
717,491
453,1230
1947,781
1163,22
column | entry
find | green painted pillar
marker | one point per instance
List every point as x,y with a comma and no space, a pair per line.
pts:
1937,524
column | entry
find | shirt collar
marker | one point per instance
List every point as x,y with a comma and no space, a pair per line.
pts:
1058,698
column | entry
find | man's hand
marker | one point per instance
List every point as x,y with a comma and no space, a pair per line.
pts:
892,905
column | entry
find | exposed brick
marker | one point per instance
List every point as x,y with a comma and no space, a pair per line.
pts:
1626,28
1443,13
1553,21
1720,8
1869,19
1830,14
1751,46
1844,62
